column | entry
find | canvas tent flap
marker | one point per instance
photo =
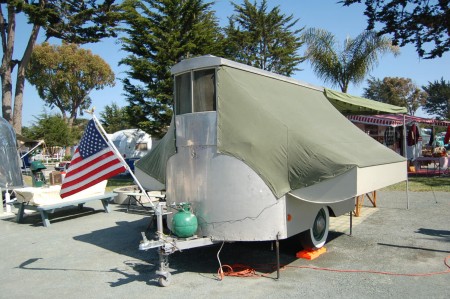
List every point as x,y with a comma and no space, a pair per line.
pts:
289,134
154,163
348,104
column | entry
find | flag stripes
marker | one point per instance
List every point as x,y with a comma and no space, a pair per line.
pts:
99,163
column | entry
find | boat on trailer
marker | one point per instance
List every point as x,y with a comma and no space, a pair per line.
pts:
257,156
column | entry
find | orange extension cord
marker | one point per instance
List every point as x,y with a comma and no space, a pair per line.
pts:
239,270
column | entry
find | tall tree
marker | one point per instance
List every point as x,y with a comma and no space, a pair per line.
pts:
424,23
396,91
158,35
349,63
263,39
50,128
77,21
65,75
114,118
438,100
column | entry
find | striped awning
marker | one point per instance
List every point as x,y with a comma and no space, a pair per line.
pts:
394,120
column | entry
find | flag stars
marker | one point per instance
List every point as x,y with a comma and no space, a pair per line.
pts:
91,142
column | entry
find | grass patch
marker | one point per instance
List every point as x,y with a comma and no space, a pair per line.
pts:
119,181
423,184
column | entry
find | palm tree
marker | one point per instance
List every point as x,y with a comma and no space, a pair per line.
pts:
350,64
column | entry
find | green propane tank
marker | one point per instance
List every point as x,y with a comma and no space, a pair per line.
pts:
184,223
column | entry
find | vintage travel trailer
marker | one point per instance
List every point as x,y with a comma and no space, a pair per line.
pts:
132,144
259,157
10,173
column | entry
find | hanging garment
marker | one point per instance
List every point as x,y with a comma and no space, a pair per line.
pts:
447,136
430,143
399,133
389,136
413,135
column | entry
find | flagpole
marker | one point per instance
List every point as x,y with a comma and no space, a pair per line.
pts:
117,153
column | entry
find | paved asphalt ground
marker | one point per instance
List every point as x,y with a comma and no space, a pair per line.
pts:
91,254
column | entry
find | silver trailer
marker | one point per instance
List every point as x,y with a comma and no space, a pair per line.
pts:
10,174
259,157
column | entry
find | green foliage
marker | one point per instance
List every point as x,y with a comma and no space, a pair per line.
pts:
349,63
65,75
438,100
424,23
119,181
396,91
74,21
263,39
78,128
50,128
26,132
158,35
114,118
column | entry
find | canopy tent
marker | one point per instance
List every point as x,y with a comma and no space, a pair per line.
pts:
349,105
393,120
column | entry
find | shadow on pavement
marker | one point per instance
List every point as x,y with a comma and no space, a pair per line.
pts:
442,235
124,239
62,214
413,247
140,266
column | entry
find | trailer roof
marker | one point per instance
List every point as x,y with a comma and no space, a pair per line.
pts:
344,102
210,61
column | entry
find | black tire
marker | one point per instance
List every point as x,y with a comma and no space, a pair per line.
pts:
316,236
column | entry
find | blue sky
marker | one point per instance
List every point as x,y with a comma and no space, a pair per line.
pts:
325,14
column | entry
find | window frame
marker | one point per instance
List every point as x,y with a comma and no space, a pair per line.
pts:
191,73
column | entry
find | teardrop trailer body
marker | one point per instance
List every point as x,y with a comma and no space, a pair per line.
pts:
258,157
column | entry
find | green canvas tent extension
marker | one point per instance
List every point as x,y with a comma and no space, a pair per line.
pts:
155,162
286,131
349,105
309,141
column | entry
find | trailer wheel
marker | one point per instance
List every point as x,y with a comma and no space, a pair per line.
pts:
165,281
315,237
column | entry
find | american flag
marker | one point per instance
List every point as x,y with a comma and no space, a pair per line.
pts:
93,162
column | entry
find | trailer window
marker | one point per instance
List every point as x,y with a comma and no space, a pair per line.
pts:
183,95
195,92
204,91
